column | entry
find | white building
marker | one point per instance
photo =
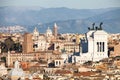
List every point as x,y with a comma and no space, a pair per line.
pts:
16,72
35,34
49,32
93,47
40,41
41,44
58,62
3,69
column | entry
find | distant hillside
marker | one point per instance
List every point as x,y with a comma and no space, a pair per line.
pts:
68,20
30,16
110,19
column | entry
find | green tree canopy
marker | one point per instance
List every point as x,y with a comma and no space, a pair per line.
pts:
9,43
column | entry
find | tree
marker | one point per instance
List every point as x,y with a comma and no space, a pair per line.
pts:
9,43
3,47
17,47
63,50
3,59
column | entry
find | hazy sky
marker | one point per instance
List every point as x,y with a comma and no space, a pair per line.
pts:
78,4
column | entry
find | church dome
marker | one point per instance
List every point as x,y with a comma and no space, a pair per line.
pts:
16,71
49,32
35,32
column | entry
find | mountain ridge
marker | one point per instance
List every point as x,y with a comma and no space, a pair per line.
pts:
68,20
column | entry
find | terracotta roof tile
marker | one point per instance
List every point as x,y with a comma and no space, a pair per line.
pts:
84,74
63,72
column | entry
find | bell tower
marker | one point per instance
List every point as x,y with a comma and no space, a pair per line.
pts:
55,30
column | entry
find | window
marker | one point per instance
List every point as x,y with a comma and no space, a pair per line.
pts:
103,46
59,62
97,46
35,46
100,46
56,62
